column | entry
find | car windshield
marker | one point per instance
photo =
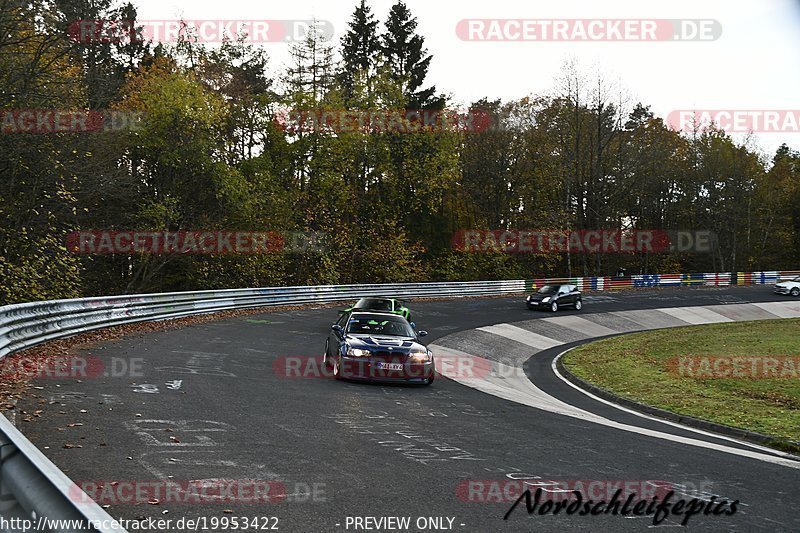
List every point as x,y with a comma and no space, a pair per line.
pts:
379,325
378,304
797,279
548,289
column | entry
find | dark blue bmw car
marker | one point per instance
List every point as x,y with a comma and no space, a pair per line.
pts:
378,346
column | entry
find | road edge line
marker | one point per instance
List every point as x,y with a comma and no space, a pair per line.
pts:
712,429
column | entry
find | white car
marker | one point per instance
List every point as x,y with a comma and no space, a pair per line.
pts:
789,287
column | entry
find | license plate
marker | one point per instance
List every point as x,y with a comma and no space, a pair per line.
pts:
390,366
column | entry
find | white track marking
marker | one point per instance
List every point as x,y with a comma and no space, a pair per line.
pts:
648,318
512,384
696,315
554,368
518,388
581,325
781,309
741,312
529,338
504,381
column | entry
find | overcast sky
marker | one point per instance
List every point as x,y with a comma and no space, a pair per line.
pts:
755,64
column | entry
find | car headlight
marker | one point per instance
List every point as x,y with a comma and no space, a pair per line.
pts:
545,300
356,352
529,298
420,357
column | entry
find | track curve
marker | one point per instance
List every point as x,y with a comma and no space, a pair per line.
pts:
369,450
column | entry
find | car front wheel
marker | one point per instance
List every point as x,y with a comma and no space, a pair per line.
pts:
578,305
554,307
795,292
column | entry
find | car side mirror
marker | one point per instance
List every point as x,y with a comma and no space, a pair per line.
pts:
413,326
422,333
337,328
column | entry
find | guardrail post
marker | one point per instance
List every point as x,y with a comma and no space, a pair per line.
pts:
7,499
10,507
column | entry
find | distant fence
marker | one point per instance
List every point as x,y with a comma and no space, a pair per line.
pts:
765,278
717,279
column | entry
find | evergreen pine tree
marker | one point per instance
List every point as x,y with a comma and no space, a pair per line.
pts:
408,59
360,48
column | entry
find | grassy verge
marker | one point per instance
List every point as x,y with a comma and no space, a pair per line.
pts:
644,367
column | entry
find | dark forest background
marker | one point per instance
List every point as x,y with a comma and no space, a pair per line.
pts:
210,153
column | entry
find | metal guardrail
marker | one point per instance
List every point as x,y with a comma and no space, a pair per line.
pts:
36,496
28,324
31,486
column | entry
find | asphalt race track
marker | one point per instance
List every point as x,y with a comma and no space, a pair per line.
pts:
212,404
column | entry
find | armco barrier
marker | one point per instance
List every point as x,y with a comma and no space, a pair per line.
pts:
32,487
28,324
